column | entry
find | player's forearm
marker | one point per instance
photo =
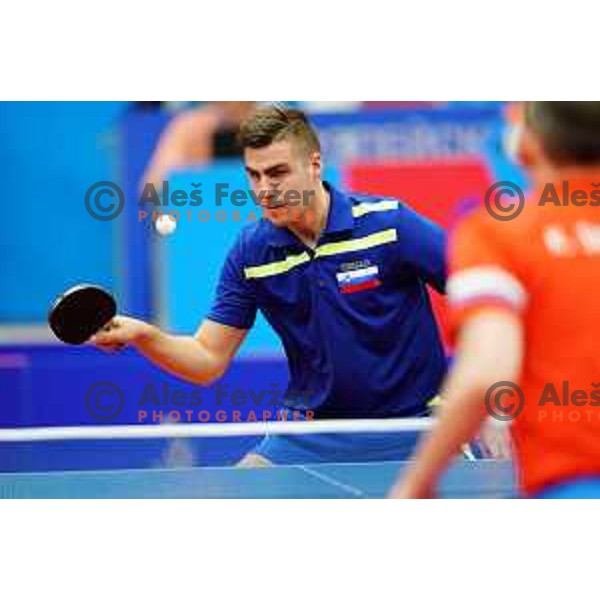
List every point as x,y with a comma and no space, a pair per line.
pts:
183,356
459,420
490,349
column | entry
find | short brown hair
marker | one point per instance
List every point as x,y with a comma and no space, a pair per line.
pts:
268,124
569,131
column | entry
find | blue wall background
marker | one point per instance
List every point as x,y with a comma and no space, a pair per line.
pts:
50,153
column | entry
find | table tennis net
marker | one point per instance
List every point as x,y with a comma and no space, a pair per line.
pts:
181,446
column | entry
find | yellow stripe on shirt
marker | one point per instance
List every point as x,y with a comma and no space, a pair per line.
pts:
283,266
370,241
276,268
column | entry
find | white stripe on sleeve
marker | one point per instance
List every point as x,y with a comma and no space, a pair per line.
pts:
489,282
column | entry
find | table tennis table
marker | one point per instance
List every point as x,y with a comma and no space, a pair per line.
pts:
478,479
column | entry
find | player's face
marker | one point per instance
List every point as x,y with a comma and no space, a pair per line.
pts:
285,178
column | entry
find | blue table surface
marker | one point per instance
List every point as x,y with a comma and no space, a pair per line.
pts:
479,479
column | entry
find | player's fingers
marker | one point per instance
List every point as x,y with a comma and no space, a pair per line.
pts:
113,324
113,332
102,338
108,337
503,445
110,348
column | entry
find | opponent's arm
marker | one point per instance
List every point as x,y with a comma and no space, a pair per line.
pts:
490,350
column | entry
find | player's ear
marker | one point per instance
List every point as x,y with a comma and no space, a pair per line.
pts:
531,150
316,165
519,142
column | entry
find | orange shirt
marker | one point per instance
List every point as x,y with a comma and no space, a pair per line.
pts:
544,266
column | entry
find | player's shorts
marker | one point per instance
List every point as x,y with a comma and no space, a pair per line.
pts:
575,489
337,448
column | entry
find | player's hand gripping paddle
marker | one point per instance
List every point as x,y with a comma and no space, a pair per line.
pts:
80,313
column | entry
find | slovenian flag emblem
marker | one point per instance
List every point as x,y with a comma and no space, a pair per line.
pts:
358,280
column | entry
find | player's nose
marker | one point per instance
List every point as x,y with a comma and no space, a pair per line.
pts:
267,197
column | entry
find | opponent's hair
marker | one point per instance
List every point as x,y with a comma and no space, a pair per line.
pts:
569,131
272,123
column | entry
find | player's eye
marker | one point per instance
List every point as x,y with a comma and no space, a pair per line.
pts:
279,173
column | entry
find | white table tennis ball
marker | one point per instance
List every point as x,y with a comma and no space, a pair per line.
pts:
165,225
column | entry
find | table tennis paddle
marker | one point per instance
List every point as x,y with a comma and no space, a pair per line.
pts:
81,312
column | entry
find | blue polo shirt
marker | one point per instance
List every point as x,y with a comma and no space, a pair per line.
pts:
353,314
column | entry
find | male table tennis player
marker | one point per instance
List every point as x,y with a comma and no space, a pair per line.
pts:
342,280
524,295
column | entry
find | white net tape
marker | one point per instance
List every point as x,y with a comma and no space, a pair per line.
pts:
218,430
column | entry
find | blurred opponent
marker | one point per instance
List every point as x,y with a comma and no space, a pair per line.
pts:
524,295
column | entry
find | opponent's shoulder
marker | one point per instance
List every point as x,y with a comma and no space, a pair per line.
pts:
493,225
